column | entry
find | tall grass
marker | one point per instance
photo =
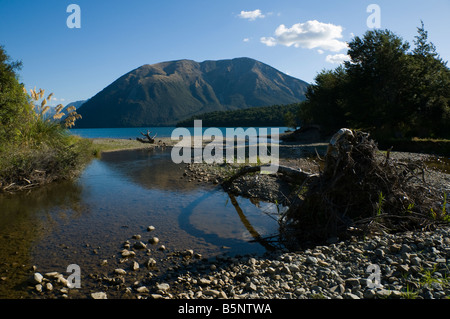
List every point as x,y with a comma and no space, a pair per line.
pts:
42,150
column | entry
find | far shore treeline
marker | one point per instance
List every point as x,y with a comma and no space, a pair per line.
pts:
263,116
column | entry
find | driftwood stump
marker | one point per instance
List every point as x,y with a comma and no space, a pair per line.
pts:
148,138
359,190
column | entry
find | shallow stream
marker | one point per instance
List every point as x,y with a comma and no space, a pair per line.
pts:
86,221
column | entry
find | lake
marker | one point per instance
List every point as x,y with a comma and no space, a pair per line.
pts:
87,220
134,132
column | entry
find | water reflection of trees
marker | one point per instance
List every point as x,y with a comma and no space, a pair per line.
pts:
269,243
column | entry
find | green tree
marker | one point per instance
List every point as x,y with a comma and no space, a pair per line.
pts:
384,88
326,100
14,110
290,120
429,88
377,76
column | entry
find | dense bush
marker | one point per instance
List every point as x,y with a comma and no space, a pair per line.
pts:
34,148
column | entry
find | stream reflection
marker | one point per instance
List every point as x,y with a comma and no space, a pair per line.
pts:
25,219
86,221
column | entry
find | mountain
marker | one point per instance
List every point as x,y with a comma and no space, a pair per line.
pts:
163,94
52,110
77,104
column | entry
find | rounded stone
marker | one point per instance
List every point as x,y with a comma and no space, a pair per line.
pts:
99,295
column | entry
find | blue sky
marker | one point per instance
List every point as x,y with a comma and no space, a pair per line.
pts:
297,37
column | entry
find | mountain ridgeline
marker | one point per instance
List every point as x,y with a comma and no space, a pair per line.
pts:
165,93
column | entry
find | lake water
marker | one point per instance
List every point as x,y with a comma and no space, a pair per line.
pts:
86,221
127,133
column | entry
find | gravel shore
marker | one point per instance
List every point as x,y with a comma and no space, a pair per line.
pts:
411,265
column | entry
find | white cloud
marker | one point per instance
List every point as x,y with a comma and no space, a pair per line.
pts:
246,40
320,51
310,35
251,15
270,42
337,58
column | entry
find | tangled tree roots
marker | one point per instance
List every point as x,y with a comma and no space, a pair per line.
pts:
360,189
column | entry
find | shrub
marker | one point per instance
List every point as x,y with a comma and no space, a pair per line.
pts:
35,147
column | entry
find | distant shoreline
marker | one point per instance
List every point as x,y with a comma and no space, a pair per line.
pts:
106,144
103,144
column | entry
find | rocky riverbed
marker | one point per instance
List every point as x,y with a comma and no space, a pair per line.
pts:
403,265
407,265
